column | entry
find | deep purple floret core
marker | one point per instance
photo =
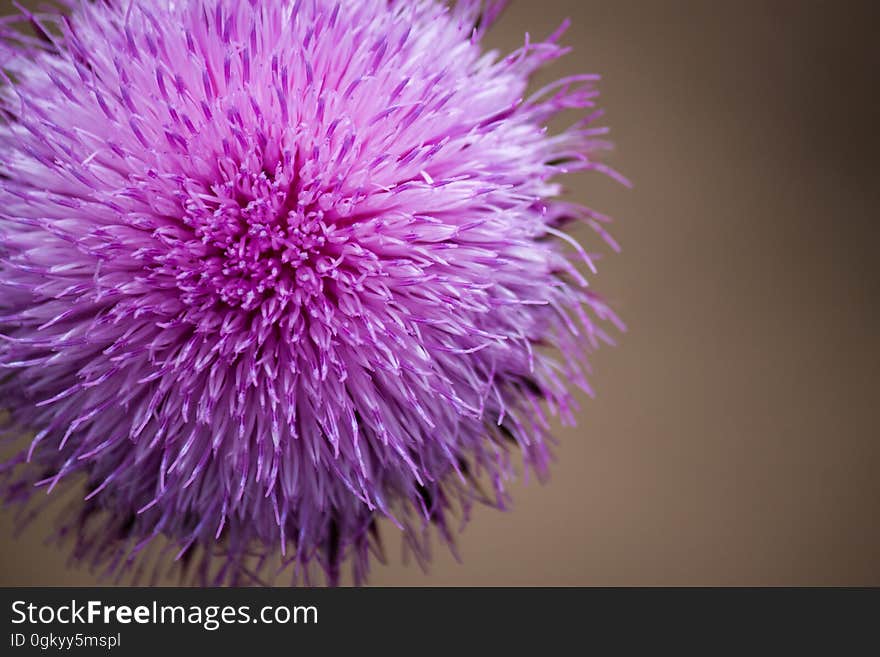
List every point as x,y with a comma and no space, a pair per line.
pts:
271,270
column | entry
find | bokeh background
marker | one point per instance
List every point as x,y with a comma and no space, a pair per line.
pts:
734,438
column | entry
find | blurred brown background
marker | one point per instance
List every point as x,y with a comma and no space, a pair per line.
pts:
734,439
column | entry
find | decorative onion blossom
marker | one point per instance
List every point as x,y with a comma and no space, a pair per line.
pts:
271,270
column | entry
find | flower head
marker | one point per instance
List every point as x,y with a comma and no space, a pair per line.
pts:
271,270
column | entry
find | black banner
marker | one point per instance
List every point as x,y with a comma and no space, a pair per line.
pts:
137,621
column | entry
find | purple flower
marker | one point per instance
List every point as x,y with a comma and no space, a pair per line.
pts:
272,270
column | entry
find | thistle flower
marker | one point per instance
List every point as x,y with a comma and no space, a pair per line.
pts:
272,270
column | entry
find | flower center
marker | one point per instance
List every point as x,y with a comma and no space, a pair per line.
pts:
257,238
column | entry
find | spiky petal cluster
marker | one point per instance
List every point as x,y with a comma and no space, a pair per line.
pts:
272,269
